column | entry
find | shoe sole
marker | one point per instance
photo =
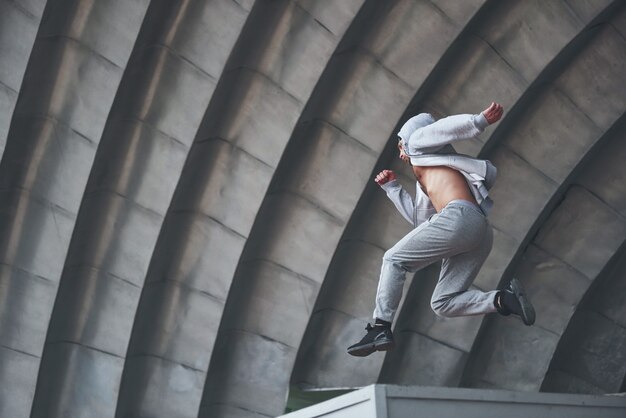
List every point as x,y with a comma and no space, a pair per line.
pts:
369,348
528,312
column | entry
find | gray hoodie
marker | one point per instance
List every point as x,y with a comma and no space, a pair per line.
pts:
428,143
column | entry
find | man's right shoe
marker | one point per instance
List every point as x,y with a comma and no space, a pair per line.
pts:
514,300
378,338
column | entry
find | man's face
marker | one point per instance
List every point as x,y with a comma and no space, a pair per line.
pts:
402,155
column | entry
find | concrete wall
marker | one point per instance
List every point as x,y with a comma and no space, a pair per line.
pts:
188,221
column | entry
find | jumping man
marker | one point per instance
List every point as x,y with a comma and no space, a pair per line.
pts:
449,214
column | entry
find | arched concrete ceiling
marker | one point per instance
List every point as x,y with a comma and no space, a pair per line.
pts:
189,224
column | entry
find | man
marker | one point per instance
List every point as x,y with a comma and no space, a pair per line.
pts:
450,219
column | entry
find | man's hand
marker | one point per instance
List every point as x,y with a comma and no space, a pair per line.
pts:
493,113
385,176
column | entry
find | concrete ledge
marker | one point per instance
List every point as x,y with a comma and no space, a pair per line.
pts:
389,401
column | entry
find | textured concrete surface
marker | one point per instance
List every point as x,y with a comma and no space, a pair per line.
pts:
587,360
188,221
18,27
566,256
149,130
375,225
75,66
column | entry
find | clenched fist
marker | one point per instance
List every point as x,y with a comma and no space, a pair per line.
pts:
493,113
384,177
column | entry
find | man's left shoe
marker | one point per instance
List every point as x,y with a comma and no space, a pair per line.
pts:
514,300
378,338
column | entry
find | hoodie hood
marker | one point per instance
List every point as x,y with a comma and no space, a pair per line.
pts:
412,125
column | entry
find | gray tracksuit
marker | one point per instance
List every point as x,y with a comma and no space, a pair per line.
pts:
459,234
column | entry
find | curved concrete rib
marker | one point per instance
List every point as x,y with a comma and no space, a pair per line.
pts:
520,188
358,101
565,258
348,290
165,90
18,27
515,48
585,361
453,92
582,362
590,105
74,69
314,246
280,54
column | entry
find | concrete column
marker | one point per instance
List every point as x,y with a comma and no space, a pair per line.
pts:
346,300
580,234
272,69
19,22
74,69
163,95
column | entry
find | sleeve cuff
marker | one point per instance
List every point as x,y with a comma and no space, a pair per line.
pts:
390,185
481,121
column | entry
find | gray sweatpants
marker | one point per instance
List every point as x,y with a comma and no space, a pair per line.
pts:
461,236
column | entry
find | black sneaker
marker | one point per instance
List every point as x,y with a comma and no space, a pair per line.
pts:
378,338
514,300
